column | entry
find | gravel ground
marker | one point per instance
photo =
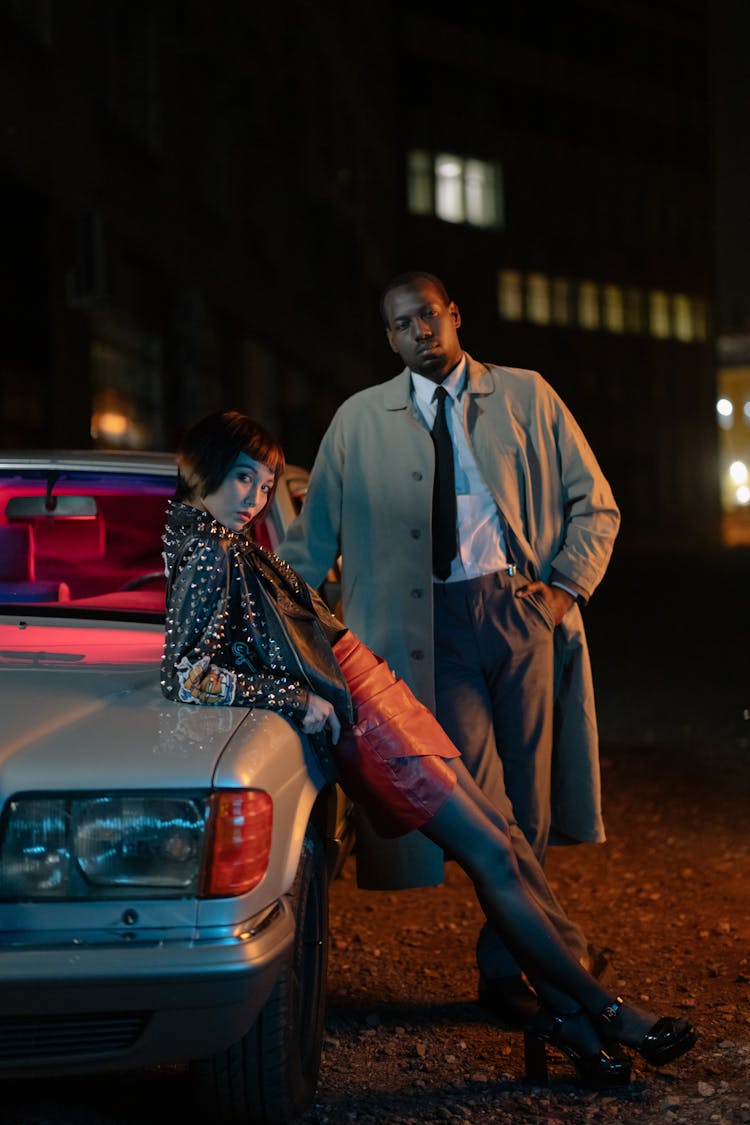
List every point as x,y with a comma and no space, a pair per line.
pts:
667,893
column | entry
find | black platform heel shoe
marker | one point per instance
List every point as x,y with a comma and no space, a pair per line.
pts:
600,1070
666,1040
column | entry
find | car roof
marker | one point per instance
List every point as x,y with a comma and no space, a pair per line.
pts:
93,459
158,461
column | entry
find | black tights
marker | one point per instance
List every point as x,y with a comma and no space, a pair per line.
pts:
473,832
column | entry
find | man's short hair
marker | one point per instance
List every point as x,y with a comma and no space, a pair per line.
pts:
410,278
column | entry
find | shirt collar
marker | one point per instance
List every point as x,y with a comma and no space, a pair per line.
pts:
454,383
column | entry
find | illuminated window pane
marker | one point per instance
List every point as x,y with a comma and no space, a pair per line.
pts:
483,189
560,300
449,193
480,194
588,304
659,314
455,189
633,310
538,298
700,320
510,296
682,317
419,185
614,309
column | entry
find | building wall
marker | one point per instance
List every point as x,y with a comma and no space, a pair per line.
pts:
200,210
599,116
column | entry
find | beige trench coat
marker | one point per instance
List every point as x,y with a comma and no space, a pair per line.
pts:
369,500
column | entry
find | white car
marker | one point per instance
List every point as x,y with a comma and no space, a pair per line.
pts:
164,868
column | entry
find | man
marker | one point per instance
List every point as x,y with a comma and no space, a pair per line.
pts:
470,530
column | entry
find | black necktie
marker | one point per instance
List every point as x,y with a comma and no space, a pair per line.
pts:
443,493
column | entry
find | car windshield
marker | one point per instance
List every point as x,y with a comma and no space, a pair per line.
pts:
86,542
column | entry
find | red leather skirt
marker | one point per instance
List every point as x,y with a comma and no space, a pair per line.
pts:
392,761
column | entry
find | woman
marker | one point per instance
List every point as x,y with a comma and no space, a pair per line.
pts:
244,629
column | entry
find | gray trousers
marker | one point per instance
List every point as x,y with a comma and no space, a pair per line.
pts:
494,680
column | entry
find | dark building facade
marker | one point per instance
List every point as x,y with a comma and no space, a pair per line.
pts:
201,204
598,115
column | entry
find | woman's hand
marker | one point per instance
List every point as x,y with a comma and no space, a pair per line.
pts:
319,715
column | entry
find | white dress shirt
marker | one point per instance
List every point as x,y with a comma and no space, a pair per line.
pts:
481,544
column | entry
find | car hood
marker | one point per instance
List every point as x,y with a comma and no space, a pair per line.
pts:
83,710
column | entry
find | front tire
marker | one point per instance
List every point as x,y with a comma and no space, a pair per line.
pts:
270,1076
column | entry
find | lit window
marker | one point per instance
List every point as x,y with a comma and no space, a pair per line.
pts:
659,314
483,194
538,298
588,304
449,192
560,300
733,424
456,189
614,309
510,297
419,185
633,310
682,316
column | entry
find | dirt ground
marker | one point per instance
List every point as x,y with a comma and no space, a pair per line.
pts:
667,893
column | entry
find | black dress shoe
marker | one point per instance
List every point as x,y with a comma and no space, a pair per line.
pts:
596,1069
668,1039
510,1000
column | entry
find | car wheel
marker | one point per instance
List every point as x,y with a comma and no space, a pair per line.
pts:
270,1076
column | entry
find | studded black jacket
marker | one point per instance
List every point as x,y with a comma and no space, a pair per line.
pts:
238,612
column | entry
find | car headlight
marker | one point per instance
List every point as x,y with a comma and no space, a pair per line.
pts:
138,841
135,845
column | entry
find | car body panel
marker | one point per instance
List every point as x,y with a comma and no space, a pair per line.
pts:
182,977
195,997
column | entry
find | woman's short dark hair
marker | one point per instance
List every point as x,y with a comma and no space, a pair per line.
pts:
210,448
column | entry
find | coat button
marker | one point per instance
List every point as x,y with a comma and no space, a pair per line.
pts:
415,533
416,654
416,475
416,593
